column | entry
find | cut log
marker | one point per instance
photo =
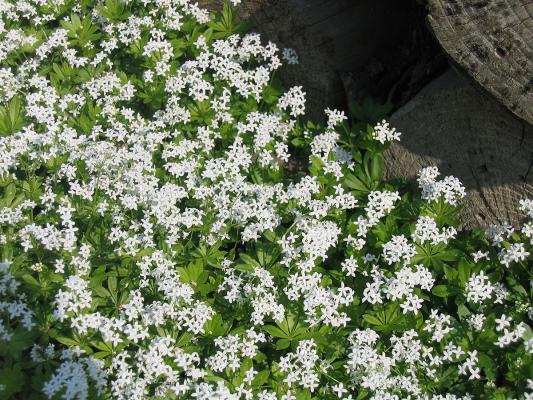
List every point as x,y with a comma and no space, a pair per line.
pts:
492,41
464,131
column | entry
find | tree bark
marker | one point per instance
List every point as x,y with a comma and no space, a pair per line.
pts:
492,41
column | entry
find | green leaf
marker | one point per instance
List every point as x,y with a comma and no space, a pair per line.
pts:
12,380
216,326
270,236
463,272
275,331
261,377
303,394
114,10
316,166
372,320
282,344
249,260
112,284
67,341
101,291
462,311
488,365
353,182
19,342
11,117
374,166
30,280
441,291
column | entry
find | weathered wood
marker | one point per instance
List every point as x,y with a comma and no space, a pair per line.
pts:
466,133
492,41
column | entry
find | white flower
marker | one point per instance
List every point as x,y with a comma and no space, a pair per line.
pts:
349,266
469,366
526,206
339,390
502,322
290,56
398,249
382,133
478,288
438,325
299,366
515,253
335,117
479,255
427,230
449,188
476,321
294,100
412,303
498,233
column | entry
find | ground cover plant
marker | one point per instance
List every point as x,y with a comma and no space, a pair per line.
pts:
158,243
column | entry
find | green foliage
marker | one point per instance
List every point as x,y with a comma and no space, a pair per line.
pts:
40,191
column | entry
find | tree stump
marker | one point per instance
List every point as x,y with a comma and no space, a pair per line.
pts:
492,41
467,133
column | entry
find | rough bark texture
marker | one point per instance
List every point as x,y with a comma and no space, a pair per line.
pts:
492,41
455,125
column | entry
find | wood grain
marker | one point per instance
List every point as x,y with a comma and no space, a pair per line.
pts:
492,41
466,133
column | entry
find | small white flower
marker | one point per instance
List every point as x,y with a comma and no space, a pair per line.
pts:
290,56
383,133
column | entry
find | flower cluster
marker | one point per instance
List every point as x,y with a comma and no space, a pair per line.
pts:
160,238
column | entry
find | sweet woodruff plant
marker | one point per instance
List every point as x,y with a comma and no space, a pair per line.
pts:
171,227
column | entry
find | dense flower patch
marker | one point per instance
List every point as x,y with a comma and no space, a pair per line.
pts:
155,246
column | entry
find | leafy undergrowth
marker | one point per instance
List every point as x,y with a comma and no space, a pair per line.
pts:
154,245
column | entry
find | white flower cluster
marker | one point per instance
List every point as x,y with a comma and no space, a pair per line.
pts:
426,230
515,253
398,249
526,206
449,188
73,376
290,56
293,100
233,349
508,336
403,283
300,366
498,233
132,190
383,133
438,325
479,288
13,306
380,203
379,371
399,286
257,288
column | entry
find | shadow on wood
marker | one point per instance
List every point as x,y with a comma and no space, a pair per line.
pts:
456,126
370,44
